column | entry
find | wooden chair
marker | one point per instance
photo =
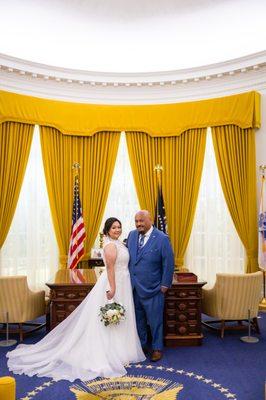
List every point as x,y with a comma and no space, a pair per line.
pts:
21,304
230,299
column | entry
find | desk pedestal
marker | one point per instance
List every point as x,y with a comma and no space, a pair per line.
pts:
182,314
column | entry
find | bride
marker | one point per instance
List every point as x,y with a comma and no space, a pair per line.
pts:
82,347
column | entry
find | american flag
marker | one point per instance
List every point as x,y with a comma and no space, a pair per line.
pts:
78,234
160,217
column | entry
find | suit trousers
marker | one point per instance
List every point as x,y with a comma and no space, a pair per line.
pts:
150,312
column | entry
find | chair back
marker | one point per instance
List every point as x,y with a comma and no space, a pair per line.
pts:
13,290
238,293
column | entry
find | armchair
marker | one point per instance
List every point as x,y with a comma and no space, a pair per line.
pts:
230,299
21,303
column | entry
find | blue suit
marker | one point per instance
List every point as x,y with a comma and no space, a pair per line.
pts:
150,267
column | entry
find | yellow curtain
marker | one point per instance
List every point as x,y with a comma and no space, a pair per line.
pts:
235,155
96,156
157,120
15,142
182,160
144,153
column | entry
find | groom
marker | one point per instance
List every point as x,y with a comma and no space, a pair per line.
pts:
151,269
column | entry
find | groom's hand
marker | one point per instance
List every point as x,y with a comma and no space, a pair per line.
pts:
164,289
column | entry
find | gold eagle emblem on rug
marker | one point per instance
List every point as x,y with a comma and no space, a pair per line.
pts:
127,388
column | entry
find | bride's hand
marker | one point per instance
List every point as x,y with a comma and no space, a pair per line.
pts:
110,294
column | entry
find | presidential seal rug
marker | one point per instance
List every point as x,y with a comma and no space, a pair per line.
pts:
219,369
143,381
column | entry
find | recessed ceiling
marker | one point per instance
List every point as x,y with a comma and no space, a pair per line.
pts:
131,36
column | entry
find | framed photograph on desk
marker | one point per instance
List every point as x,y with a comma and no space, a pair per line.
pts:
96,253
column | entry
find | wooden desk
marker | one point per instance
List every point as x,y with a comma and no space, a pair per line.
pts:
67,290
182,314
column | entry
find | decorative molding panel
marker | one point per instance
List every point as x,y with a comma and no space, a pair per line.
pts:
214,80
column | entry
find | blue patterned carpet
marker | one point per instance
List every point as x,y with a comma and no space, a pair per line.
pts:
217,370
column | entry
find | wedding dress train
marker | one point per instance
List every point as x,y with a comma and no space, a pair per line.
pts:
81,347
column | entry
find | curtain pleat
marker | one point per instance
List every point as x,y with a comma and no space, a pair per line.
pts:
236,160
182,161
144,153
96,156
15,143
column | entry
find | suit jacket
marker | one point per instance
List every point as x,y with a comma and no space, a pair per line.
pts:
152,266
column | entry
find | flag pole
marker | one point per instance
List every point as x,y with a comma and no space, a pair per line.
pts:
158,169
76,168
262,305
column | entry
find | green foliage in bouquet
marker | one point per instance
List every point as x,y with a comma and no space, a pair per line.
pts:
112,313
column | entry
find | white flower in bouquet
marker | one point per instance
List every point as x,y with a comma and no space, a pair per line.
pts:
112,313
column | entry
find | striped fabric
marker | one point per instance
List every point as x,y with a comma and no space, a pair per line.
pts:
19,301
78,234
233,295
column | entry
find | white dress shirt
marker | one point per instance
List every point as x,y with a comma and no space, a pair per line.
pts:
146,236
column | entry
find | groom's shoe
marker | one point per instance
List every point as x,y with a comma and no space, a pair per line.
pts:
156,355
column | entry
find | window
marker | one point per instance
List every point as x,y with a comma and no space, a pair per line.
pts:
30,247
214,244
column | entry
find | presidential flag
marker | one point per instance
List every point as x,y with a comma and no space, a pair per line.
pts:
262,226
78,234
160,217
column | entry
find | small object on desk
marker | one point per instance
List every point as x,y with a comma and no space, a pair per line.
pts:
96,253
91,263
185,277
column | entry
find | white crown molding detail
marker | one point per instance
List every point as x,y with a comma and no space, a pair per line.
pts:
214,80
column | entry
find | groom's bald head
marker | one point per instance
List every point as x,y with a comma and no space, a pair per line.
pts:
143,221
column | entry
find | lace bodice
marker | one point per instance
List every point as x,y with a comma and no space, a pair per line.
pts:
122,258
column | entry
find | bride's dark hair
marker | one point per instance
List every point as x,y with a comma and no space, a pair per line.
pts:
108,223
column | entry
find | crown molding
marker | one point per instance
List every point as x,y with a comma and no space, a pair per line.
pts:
214,80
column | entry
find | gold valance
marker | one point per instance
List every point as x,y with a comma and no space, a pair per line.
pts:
160,120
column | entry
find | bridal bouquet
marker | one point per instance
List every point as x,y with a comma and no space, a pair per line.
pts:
112,313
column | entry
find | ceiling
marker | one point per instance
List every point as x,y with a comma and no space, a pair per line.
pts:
131,36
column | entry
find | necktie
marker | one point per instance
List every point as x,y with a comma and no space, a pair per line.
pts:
141,241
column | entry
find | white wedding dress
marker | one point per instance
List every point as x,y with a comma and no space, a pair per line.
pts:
82,347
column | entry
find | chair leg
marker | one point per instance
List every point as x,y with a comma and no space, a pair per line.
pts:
20,332
222,328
